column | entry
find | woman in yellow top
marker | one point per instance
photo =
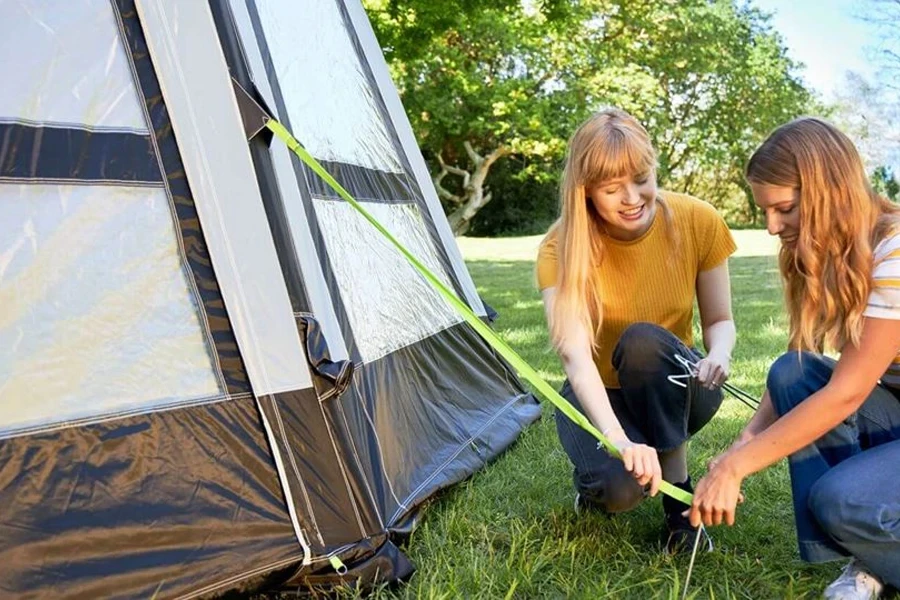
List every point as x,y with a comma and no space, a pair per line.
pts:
619,273
837,422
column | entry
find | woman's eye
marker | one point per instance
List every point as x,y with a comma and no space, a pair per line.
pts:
787,210
611,190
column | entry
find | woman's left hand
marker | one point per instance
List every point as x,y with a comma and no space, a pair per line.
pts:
712,371
717,495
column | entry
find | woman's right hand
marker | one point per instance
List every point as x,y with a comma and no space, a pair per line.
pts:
641,461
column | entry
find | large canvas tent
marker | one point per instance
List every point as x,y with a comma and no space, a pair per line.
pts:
214,376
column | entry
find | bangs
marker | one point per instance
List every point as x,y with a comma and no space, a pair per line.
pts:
624,153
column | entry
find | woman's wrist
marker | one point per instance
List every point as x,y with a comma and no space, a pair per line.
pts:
615,433
733,461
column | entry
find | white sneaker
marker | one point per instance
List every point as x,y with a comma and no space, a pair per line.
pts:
855,583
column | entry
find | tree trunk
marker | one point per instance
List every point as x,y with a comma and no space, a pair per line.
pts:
473,197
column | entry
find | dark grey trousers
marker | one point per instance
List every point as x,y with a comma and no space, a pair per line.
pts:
651,409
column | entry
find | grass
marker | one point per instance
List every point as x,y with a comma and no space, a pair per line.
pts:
511,532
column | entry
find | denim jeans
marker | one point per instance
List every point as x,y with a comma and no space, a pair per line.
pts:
846,484
651,409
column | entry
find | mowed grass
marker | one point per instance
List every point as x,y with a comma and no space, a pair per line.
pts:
511,531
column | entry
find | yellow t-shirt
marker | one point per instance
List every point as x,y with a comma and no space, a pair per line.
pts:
646,279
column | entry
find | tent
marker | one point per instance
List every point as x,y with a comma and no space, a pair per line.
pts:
216,378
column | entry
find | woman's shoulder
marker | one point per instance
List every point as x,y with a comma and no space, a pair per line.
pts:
888,245
551,238
547,249
685,202
690,209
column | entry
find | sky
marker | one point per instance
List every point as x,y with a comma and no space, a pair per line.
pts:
825,36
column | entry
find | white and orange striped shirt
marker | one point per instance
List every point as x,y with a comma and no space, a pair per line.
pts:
884,300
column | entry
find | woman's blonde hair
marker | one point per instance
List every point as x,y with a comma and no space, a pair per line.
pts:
828,271
608,145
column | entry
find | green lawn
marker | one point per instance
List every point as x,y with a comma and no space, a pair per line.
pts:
511,532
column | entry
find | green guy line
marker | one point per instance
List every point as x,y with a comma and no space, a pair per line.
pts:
523,368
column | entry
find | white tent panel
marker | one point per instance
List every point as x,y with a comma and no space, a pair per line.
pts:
200,99
389,304
98,318
49,82
397,116
332,107
321,304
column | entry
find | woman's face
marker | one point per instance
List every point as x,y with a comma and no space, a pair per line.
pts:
627,205
781,205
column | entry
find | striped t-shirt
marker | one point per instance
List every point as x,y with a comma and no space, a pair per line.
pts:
884,300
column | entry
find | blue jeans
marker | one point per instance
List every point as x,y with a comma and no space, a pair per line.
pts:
846,484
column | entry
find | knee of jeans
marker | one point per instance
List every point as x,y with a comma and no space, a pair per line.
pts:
623,497
828,501
639,347
784,374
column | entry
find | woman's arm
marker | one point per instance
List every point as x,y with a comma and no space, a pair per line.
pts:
856,374
576,353
714,301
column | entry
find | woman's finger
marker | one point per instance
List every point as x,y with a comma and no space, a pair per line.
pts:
628,458
729,516
654,484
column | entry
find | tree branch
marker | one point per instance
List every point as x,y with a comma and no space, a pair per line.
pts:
473,156
443,192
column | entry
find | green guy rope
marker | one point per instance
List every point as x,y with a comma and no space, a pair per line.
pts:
523,368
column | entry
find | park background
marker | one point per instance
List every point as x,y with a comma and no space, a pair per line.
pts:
493,88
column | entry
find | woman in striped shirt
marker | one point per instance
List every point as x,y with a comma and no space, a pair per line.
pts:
838,422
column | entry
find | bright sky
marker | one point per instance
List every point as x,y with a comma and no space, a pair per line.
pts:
825,36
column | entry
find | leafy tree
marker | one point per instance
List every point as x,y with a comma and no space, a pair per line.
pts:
869,112
483,81
885,182
885,16
709,79
480,81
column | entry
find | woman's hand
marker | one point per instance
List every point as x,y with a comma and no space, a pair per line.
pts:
717,495
641,461
712,371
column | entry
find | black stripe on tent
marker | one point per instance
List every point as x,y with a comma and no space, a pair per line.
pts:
195,251
69,154
390,188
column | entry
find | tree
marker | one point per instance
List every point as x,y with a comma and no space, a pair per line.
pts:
483,81
480,81
869,113
884,15
709,79
885,182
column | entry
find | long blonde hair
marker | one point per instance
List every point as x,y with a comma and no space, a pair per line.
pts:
608,145
828,271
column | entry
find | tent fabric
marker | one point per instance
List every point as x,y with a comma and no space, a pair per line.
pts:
213,379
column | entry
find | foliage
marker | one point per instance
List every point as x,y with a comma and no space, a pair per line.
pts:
884,15
522,204
885,182
869,112
483,81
